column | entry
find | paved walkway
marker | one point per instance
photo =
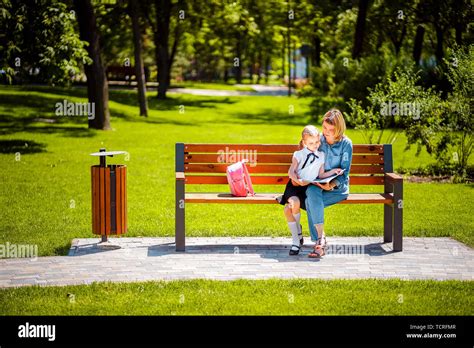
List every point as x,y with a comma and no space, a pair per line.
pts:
141,259
259,90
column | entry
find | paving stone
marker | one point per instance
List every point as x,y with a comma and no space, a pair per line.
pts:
148,258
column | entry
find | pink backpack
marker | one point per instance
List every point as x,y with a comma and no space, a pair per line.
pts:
239,180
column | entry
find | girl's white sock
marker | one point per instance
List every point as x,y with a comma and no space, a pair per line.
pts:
294,228
297,219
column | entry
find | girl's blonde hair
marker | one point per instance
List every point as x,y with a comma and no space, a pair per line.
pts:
309,130
334,118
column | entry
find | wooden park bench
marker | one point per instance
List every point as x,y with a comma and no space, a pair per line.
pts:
269,164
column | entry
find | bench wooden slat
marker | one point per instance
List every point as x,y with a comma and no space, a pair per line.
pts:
268,158
272,169
269,198
273,180
269,148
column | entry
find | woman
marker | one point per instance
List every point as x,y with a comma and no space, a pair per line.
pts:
338,152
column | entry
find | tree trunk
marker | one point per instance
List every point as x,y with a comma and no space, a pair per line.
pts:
439,44
288,38
259,67
163,13
238,71
295,63
226,74
360,29
97,86
283,59
459,24
397,42
177,35
316,51
139,70
459,28
417,48
267,63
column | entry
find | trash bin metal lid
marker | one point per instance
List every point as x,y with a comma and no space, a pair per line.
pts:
108,153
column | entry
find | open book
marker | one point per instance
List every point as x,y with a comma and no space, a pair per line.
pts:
326,180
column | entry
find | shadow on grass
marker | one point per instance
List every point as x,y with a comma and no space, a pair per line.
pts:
21,146
76,91
270,116
116,113
173,103
130,97
36,114
62,250
18,112
69,132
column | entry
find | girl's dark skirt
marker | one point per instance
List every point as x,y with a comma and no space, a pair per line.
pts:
292,190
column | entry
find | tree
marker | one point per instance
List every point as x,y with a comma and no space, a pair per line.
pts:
97,86
140,71
159,16
40,43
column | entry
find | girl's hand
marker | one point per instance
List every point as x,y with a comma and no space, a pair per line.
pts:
295,182
299,182
327,186
293,177
337,171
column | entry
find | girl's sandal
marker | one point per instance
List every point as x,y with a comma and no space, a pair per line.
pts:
294,250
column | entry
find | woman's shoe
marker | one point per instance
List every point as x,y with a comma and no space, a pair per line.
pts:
317,252
324,243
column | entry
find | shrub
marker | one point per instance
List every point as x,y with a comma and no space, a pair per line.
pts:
442,126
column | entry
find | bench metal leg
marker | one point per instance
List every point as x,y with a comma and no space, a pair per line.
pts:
387,223
179,198
180,217
398,216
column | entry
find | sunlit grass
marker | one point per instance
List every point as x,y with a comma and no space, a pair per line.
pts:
245,297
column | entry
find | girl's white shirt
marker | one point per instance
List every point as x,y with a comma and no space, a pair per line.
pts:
309,163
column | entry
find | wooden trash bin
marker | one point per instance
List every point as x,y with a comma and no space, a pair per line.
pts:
109,197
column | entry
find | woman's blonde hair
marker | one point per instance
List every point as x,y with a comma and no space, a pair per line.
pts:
309,130
334,118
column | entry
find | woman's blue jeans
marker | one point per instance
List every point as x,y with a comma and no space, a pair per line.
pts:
316,200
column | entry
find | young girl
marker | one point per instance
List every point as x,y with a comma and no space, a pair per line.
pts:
306,166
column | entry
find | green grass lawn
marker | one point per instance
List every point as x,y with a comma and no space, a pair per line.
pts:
245,297
46,194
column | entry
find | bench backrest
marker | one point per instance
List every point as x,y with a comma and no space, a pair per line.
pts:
269,163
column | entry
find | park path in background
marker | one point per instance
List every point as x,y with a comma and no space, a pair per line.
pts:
260,90
226,258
